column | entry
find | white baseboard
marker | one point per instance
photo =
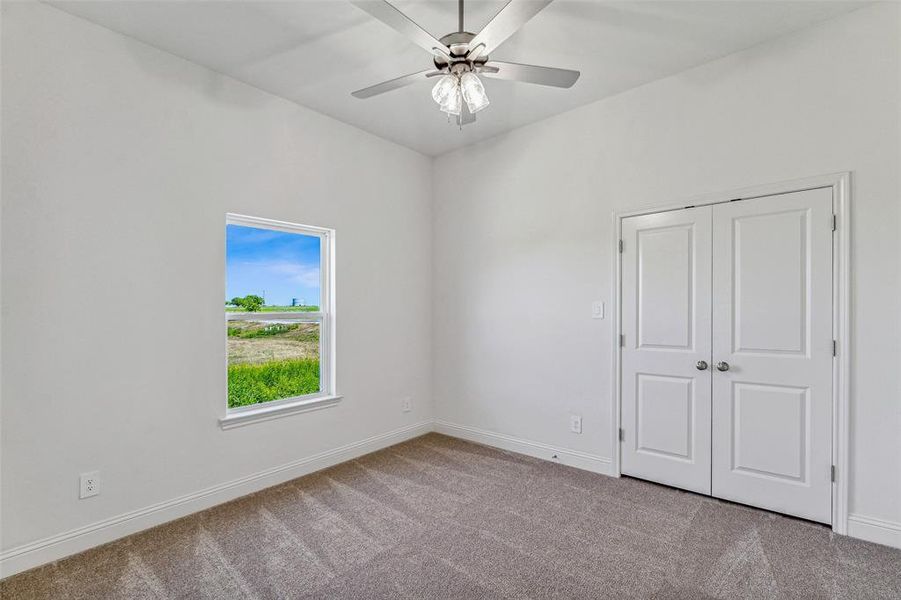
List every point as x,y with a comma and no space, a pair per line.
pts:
572,458
27,556
875,530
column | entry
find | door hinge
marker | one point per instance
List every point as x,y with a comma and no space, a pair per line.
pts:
832,473
834,222
622,340
834,348
621,245
622,434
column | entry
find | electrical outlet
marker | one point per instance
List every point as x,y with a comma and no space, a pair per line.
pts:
89,484
575,423
406,405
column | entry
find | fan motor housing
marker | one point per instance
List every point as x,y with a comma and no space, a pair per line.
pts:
458,44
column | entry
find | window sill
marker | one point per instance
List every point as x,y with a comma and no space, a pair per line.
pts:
267,413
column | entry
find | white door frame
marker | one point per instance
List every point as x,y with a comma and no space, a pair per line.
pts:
841,388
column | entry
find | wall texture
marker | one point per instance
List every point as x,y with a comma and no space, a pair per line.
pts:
119,162
520,254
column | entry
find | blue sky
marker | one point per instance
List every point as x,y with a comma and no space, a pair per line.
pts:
274,264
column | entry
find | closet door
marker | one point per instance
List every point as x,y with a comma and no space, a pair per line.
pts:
666,266
772,353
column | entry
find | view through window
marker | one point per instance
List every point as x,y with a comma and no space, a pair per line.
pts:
276,325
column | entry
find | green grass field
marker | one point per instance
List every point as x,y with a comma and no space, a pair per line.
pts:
270,361
249,333
271,309
254,383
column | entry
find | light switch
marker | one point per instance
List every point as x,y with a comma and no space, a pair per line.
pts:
597,309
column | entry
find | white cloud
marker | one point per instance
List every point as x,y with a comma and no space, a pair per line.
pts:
306,275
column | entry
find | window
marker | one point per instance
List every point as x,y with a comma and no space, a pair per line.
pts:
279,318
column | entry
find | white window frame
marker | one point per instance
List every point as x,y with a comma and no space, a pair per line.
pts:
325,317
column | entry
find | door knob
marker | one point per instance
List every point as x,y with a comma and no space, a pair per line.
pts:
701,365
722,366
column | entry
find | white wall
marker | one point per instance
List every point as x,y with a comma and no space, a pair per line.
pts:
119,163
521,251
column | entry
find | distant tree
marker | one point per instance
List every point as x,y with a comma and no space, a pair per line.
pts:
250,303
253,303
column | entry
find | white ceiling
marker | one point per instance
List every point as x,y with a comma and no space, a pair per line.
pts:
315,52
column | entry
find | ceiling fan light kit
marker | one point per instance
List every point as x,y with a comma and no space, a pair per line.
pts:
453,89
447,95
473,92
460,57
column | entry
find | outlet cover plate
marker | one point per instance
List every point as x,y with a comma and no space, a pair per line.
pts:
575,423
89,484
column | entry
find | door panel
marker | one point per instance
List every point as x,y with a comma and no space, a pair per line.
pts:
666,266
770,282
665,415
665,287
772,323
778,414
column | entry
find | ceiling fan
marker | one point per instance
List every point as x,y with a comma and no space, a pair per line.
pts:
460,57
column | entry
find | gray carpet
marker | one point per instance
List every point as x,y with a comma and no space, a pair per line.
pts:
441,518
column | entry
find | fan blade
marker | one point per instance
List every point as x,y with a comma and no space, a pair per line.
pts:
506,22
393,84
393,18
563,78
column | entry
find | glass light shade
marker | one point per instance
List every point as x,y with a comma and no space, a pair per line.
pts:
473,92
445,87
453,105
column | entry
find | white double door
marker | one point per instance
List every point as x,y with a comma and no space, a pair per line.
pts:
727,351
